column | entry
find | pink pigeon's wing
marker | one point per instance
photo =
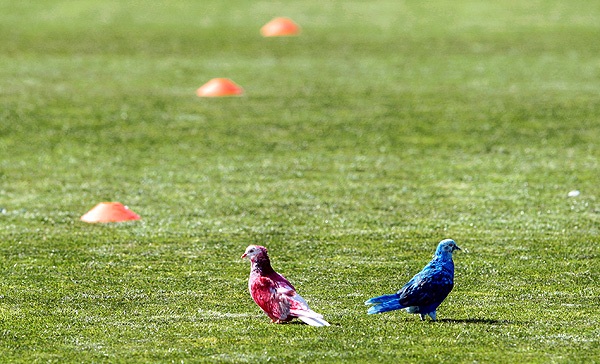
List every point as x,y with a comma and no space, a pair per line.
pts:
272,300
298,304
280,281
292,303
281,303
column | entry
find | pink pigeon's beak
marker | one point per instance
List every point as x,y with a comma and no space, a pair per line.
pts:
244,255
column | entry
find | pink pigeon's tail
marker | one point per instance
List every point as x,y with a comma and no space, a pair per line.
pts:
314,321
310,317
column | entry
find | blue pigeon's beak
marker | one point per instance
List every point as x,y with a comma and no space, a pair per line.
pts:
456,247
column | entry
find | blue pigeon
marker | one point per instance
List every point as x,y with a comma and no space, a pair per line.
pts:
426,290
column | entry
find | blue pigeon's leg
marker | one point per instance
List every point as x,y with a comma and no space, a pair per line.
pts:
422,317
432,315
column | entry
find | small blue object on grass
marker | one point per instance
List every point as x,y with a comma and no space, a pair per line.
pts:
426,290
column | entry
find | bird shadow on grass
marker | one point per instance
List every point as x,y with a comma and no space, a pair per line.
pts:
293,323
478,321
298,322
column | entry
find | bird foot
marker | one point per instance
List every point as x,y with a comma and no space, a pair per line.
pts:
433,315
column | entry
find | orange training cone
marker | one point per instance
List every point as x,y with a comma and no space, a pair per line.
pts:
110,212
280,27
218,87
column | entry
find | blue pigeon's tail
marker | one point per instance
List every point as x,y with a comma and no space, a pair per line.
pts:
388,302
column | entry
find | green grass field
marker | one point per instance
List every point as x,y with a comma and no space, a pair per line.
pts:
383,128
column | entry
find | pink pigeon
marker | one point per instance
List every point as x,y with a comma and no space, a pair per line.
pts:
274,294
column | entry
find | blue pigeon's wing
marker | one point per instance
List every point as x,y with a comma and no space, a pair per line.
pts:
427,287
